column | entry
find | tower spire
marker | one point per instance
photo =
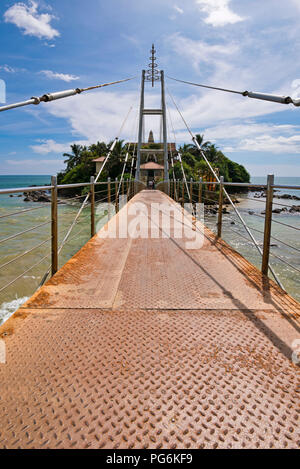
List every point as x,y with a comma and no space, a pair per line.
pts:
152,74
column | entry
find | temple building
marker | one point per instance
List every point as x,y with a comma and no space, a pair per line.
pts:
152,159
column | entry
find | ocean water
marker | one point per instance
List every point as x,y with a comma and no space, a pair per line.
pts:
251,211
15,294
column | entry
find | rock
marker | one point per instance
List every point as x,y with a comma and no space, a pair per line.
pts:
232,223
251,212
287,196
277,210
294,208
36,196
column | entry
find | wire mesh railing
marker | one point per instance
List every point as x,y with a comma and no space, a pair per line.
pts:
276,228
36,241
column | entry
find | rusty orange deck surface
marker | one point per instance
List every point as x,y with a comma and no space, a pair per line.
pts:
148,343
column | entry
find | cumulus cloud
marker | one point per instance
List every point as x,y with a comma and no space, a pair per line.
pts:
218,12
7,69
50,146
263,137
198,52
59,76
30,21
34,166
178,9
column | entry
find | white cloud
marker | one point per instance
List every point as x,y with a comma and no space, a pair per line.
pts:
34,166
59,76
178,9
218,12
296,3
30,21
271,144
198,52
250,136
50,146
296,89
7,69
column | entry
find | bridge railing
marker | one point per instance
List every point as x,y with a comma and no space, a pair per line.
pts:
278,237
38,236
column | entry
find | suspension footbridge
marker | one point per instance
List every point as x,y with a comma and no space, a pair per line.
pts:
156,334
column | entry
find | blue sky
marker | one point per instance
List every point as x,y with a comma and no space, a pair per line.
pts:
244,45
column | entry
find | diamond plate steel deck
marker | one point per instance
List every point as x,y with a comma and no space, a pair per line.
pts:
142,343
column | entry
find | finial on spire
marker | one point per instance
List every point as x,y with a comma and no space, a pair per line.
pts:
152,73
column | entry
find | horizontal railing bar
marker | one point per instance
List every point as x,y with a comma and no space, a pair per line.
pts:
25,253
82,184
71,186
25,189
277,186
24,232
23,211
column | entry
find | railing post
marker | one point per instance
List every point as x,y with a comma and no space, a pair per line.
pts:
200,191
108,191
116,195
92,192
268,225
191,191
182,192
220,210
54,227
177,190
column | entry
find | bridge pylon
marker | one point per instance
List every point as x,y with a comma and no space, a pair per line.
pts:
152,75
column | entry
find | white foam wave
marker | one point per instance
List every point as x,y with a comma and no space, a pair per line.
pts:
7,309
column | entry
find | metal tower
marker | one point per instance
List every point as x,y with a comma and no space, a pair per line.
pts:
153,75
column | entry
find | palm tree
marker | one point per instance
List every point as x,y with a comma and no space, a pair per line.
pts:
204,145
73,158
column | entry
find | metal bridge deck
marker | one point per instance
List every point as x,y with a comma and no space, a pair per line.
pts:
144,343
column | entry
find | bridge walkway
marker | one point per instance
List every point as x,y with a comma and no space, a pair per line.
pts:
152,343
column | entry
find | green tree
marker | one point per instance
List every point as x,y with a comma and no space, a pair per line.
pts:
73,158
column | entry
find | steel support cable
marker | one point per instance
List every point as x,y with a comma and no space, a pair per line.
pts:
284,261
88,195
272,237
24,232
97,177
279,222
179,154
249,94
59,95
225,191
274,203
24,253
172,159
26,271
126,160
24,211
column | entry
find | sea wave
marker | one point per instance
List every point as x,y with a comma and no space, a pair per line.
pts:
7,309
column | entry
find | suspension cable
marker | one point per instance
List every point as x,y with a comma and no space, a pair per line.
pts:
88,195
179,155
225,192
125,161
249,94
171,153
58,95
